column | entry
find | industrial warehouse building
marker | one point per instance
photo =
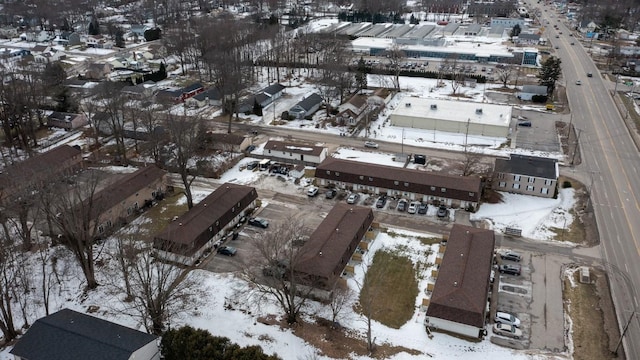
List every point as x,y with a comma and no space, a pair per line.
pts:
453,116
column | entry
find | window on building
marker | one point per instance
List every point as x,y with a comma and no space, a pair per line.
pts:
361,177
443,189
370,179
532,179
396,182
547,182
472,194
516,186
328,172
544,191
433,188
530,188
337,173
502,184
406,184
516,177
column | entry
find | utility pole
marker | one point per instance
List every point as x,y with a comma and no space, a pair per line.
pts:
466,135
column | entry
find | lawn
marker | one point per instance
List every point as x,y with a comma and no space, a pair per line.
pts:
162,214
390,289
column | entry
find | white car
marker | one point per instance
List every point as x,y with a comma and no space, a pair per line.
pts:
506,318
507,330
353,198
413,207
313,191
370,144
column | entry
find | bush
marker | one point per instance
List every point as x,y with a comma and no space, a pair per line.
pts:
566,184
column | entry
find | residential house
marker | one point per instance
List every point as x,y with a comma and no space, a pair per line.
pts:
274,91
67,121
138,30
69,38
306,107
98,42
227,142
40,49
139,91
120,201
428,187
45,167
296,153
206,224
35,36
97,71
458,303
527,39
49,56
326,253
529,91
352,111
587,26
181,94
381,96
528,175
210,97
68,334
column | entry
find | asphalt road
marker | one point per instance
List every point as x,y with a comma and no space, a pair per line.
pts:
610,165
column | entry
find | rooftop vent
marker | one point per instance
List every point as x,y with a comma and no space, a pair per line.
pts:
479,111
407,104
434,107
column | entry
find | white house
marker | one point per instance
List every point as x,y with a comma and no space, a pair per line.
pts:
306,106
294,152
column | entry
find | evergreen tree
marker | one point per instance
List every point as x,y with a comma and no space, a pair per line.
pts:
152,34
94,26
361,74
257,108
550,73
515,31
119,38
188,343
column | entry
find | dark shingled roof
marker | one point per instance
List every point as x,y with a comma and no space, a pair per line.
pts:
309,102
191,87
215,207
419,182
273,89
324,250
461,289
44,165
540,167
122,189
293,148
224,138
70,335
212,94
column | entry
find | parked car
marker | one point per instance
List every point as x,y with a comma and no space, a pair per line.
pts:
331,193
382,201
589,74
510,255
402,205
312,191
507,330
252,165
370,144
422,208
442,211
509,269
353,198
259,222
506,318
524,123
227,250
413,207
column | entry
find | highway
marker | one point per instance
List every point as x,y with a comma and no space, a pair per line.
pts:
610,163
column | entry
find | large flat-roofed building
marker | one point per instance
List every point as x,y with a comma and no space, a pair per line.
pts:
453,116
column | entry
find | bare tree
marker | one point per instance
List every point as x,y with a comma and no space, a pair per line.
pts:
335,80
77,215
471,163
341,297
457,80
273,273
159,290
112,103
504,75
8,281
395,56
185,133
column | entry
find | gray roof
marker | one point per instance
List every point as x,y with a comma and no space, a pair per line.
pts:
273,89
70,335
529,36
309,102
419,32
212,94
540,167
473,28
375,30
294,148
496,29
534,89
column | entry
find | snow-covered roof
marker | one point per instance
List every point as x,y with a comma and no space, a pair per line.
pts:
460,111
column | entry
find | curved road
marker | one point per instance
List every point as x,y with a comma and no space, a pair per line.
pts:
611,163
